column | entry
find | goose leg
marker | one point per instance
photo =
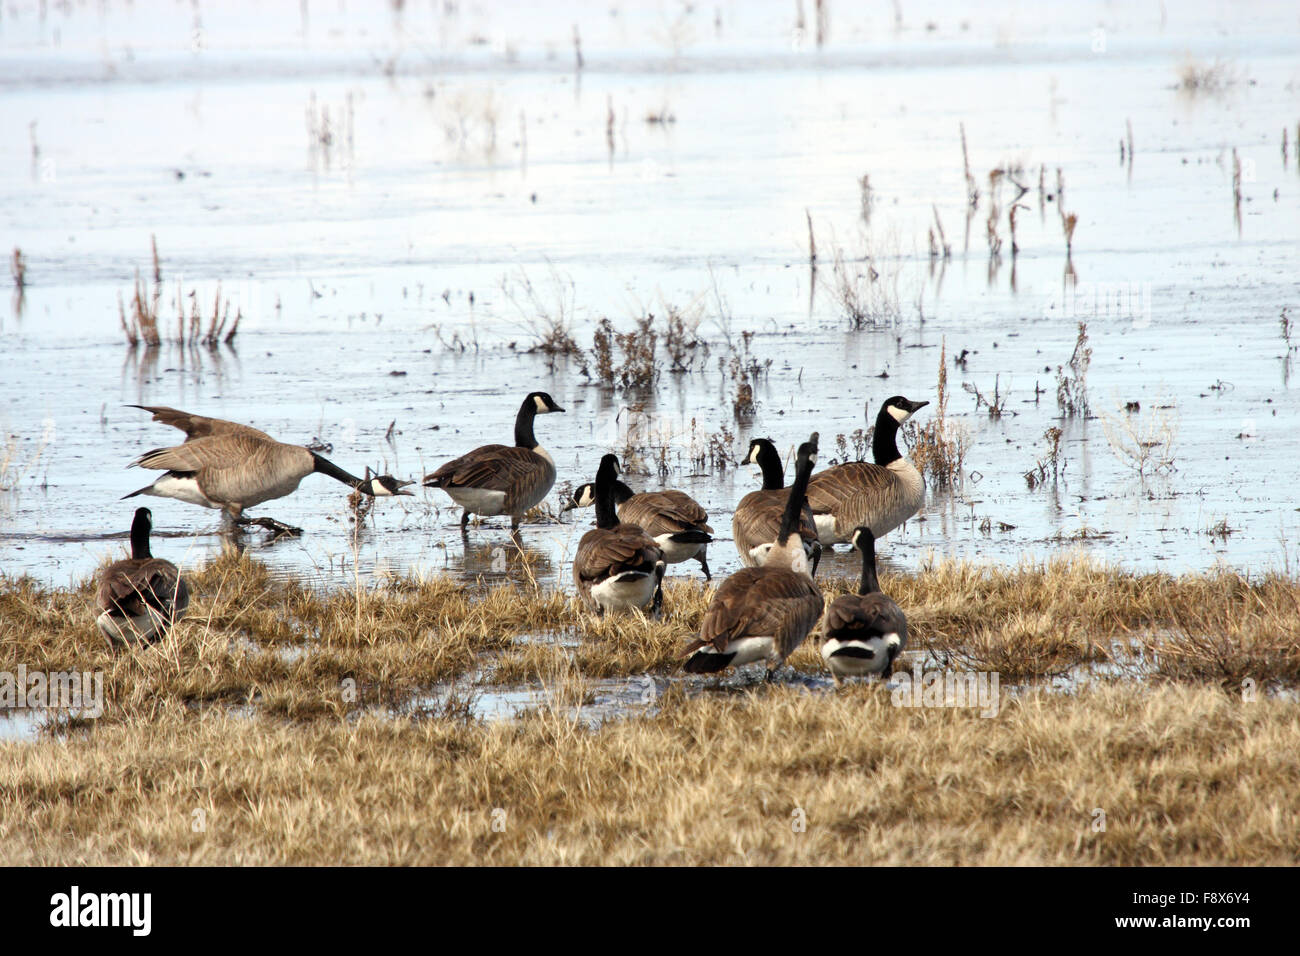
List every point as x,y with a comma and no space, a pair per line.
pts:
278,529
464,520
703,558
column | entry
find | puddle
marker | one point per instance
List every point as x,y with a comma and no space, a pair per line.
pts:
391,274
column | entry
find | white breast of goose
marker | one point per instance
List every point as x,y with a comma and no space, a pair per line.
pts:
625,591
677,551
766,553
750,649
181,489
479,501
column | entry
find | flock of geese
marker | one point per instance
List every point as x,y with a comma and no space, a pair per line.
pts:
763,612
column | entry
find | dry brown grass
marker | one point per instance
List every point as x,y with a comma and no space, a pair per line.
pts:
1182,775
251,638
243,713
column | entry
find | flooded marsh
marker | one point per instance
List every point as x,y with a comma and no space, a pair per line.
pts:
371,230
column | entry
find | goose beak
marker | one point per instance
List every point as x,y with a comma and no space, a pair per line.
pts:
569,506
917,406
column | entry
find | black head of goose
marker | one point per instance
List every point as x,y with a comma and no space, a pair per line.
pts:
677,522
880,495
863,633
757,518
502,479
617,567
140,597
763,613
232,467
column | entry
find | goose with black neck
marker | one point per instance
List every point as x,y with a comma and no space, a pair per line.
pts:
502,479
618,566
880,495
764,613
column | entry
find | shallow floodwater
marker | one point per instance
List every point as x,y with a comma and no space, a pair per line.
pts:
393,262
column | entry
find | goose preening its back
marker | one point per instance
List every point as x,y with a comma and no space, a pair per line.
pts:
677,522
880,496
618,566
230,466
763,613
502,479
141,596
863,633
757,518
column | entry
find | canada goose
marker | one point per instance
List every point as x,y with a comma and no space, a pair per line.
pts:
674,519
880,496
502,479
863,633
618,566
763,612
230,466
141,596
757,518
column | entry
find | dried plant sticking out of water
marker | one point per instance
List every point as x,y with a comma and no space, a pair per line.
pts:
939,246
995,213
1049,466
1072,387
602,350
1144,441
1197,77
1236,188
18,269
639,368
995,405
142,324
548,315
855,446
681,340
972,191
938,448
867,297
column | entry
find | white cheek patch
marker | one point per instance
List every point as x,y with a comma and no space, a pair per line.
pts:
539,404
898,415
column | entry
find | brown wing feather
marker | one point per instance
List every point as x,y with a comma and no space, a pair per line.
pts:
199,426
603,552
128,586
215,451
857,615
665,512
758,519
828,488
756,602
493,467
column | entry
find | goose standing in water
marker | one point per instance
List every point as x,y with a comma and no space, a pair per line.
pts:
880,496
502,479
230,466
618,566
677,522
140,597
862,633
757,518
763,613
